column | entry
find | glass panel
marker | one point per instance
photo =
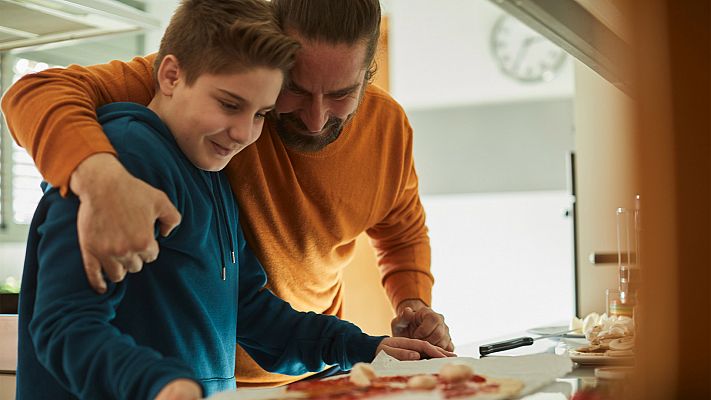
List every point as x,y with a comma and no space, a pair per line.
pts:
26,179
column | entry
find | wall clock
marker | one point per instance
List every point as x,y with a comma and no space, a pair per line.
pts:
522,53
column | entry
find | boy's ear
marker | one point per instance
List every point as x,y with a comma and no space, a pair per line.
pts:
169,74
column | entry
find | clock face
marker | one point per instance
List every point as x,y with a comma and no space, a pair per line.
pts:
524,54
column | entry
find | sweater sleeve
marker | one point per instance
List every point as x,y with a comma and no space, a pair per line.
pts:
52,113
400,238
71,326
283,340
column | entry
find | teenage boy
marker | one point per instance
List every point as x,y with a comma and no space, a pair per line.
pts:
170,331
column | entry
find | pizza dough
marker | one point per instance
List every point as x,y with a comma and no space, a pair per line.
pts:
454,381
422,382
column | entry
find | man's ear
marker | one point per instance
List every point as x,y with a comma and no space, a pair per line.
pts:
169,74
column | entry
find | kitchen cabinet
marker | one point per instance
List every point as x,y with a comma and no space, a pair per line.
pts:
606,169
8,355
7,386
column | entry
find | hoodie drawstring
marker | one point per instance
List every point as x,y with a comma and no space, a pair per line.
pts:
223,214
218,203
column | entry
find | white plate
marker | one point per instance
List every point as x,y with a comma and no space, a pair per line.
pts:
549,330
599,359
568,346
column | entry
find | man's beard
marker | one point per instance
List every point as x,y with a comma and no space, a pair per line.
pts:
290,128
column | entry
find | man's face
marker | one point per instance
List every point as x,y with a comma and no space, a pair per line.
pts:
219,115
326,87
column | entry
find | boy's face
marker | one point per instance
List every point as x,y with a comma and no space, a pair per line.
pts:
219,115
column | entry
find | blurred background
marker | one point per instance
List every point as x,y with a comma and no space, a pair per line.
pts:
524,149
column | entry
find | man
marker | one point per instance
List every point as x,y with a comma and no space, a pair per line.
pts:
333,161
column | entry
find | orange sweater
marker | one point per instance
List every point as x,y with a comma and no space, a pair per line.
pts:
301,212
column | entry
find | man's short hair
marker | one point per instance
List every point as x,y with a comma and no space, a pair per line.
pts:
334,21
222,36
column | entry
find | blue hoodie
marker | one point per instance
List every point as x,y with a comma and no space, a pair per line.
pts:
181,316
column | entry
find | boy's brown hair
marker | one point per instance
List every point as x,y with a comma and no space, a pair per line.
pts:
220,36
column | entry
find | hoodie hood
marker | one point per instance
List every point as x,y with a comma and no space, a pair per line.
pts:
130,113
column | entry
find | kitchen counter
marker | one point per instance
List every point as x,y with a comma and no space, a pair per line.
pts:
580,378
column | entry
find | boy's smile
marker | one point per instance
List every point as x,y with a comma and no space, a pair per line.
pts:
223,151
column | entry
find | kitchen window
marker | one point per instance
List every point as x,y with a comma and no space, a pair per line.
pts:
19,178
84,33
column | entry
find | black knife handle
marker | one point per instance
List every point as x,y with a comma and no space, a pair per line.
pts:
505,345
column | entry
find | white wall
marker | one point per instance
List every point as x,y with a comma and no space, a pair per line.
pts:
162,9
517,146
502,261
439,56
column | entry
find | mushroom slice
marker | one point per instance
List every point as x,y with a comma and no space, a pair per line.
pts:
455,373
362,374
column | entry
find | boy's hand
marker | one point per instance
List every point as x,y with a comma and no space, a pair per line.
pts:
411,349
116,219
180,389
416,320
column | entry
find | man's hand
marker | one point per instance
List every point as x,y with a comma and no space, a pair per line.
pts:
416,320
180,389
411,349
116,219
